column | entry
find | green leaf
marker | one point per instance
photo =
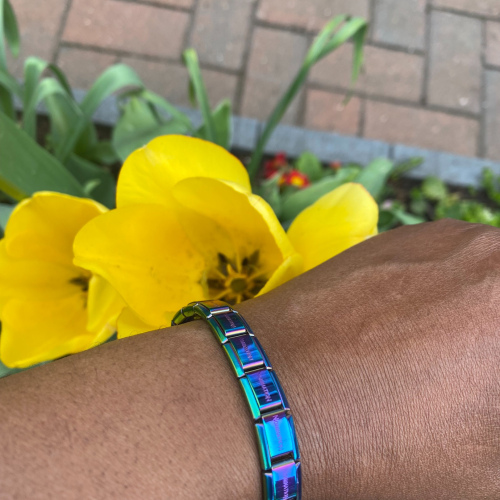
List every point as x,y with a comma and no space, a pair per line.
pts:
113,79
308,164
33,69
193,67
434,189
9,32
374,176
405,217
5,211
5,371
419,206
102,152
294,204
222,122
162,104
11,29
25,167
9,83
97,182
405,166
9,87
491,184
48,87
334,34
270,191
138,125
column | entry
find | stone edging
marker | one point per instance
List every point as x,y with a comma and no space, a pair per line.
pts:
327,146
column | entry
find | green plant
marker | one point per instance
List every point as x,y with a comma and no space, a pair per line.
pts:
79,157
288,198
491,184
73,139
333,35
9,38
435,200
216,126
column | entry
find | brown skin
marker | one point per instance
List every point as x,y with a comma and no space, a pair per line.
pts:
389,355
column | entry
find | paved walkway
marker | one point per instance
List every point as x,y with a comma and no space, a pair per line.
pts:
431,79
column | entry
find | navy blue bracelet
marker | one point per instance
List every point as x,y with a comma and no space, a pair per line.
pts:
276,437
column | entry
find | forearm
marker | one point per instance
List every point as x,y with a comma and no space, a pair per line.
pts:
394,390
162,415
153,416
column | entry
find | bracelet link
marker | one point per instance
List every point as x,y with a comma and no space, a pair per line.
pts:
273,422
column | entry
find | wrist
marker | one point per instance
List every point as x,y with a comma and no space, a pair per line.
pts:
316,384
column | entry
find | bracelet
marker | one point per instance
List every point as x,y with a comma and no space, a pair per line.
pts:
276,437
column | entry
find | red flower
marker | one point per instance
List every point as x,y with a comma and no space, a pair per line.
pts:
271,167
280,159
295,178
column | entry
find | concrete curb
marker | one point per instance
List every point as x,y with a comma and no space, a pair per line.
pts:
453,169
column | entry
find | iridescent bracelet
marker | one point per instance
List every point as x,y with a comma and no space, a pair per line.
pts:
278,447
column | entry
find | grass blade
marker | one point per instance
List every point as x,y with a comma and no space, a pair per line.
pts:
222,122
191,60
164,105
46,88
9,32
374,176
115,78
326,42
139,124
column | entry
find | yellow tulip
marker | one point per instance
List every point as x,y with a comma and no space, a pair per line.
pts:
48,306
187,227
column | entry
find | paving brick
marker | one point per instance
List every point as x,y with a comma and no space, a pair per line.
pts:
421,127
125,26
385,73
39,23
493,43
171,80
455,62
310,14
492,132
82,67
327,111
275,58
482,7
220,31
400,23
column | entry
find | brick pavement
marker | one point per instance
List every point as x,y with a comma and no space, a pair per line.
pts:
431,75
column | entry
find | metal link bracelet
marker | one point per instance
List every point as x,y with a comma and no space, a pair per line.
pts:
276,437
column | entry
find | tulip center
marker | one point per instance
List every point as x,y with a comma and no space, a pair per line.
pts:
236,280
82,282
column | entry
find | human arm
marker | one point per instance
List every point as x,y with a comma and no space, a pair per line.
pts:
389,355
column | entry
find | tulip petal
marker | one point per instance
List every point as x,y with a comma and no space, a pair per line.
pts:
104,304
290,268
338,220
34,280
42,228
130,324
145,255
148,174
37,331
220,217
